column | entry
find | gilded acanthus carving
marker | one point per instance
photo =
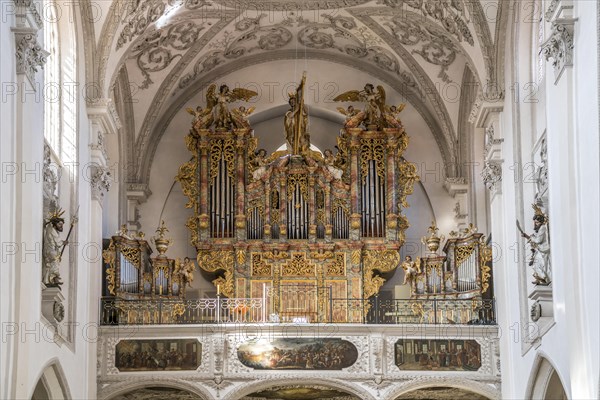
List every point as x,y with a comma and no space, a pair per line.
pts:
376,262
219,260
408,177
372,150
299,265
108,256
260,266
560,46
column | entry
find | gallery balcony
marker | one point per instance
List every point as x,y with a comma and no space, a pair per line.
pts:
302,310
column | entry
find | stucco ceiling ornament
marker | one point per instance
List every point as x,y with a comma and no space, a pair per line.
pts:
339,33
451,14
144,13
289,5
157,49
436,49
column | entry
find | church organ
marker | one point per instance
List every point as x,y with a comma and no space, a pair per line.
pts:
299,235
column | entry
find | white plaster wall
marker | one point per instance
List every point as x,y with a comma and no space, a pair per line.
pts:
8,217
571,118
29,344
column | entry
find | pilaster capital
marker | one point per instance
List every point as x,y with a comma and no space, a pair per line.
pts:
29,54
492,176
100,181
559,46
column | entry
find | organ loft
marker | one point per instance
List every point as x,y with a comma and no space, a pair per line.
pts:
300,234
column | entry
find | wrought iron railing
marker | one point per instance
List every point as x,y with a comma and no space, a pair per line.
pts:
116,311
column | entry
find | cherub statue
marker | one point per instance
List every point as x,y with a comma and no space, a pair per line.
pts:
391,116
329,160
203,118
260,161
239,117
539,241
353,116
411,269
217,103
124,232
185,270
374,104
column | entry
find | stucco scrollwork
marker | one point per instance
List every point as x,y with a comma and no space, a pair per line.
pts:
143,13
559,46
450,14
492,176
155,51
362,346
435,48
29,53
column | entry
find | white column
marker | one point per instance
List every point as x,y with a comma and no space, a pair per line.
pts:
103,122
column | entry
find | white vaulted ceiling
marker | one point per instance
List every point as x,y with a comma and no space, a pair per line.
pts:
154,57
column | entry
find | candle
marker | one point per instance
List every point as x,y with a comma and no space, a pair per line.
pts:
160,289
218,290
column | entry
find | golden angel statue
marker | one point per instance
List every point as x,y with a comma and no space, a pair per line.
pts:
374,104
296,121
411,269
217,103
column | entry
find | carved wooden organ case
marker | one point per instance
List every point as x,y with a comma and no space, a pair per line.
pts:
332,223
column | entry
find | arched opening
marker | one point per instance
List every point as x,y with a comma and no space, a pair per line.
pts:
546,383
441,393
305,392
157,392
296,389
50,385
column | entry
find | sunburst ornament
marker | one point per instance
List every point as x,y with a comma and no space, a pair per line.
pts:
538,212
55,216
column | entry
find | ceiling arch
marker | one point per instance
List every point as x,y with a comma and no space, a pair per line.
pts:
169,46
